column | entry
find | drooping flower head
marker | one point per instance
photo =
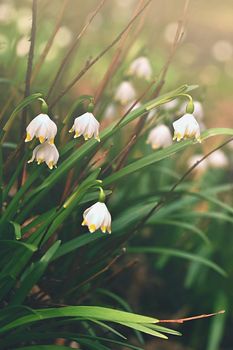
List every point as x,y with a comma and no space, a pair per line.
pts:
186,127
45,153
198,110
159,136
201,167
125,93
110,111
97,216
141,68
43,128
218,159
86,125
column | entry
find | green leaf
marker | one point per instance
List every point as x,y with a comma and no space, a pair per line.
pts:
143,328
108,328
33,274
162,154
7,244
179,254
86,312
28,100
45,347
78,242
17,229
183,225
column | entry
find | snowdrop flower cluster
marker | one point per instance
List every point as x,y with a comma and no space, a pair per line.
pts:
43,128
141,68
87,126
125,93
186,127
159,137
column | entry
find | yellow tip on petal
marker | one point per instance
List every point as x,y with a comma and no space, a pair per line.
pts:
28,138
39,161
71,130
109,230
92,228
51,141
41,139
97,138
103,229
84,222
76,135
86,137
50,165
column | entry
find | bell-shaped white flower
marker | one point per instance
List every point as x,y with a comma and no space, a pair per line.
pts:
43,128
141,68
86,125
198,110
45,153
125,93
169,106
159,136
186,127
218,159
110,112
152,114
129,105
201,167
97,216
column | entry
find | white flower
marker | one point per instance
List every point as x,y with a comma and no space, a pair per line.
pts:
159,136
97,216
43,128
125,93
218,159
198,110
202,166
86,125
170,105
129,105
141,67
153,113
186,127
110,111
45,153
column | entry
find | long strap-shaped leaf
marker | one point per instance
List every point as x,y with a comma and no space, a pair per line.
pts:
86,312
162,154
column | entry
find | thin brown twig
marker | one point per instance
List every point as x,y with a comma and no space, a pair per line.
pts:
73,46
182,320
176,42
29,64
116,60
49,42
164,199
159,85
104,269
100,55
